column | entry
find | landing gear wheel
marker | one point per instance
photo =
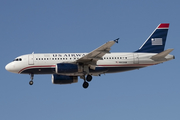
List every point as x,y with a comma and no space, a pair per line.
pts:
85,85
89,78
30,82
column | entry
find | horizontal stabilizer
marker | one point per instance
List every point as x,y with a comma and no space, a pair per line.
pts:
162,55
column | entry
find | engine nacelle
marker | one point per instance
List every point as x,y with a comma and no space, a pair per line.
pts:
66,68
62,79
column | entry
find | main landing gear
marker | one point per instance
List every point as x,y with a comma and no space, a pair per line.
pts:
87,79
31,82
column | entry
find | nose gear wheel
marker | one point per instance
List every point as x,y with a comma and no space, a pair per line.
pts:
31,82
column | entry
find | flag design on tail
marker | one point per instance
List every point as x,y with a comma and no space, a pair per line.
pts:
156,41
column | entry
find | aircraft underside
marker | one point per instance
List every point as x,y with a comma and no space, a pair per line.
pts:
92,72
73,77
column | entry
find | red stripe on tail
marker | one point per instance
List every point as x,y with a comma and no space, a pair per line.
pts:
164,25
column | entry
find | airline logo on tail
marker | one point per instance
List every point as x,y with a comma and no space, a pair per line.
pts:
156,41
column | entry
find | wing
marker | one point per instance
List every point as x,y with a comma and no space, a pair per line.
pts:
97,54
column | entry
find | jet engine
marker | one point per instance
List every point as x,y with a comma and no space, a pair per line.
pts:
66,68
62,79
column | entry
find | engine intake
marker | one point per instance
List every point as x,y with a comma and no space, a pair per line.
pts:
62,79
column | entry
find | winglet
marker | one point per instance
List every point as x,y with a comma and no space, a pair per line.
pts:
116,40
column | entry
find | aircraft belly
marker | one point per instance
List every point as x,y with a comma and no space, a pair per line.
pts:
121,69
98,70
102,70
39,71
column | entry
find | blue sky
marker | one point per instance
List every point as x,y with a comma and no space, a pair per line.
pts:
67,26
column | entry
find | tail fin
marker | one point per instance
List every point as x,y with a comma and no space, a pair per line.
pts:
156,41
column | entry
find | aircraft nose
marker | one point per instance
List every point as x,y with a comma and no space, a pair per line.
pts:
10,67
7,67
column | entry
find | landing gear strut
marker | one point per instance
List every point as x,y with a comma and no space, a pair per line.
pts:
31,82
87,79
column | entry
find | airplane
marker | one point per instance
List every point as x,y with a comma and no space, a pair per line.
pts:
67,67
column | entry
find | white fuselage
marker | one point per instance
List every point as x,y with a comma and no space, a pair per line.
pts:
112,62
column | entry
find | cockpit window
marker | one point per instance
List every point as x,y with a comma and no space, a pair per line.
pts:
18,59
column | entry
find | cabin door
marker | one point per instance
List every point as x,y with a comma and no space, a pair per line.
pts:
31,59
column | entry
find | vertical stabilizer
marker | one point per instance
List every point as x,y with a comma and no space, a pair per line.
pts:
156,41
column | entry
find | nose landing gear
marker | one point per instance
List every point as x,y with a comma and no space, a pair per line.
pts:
31,82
